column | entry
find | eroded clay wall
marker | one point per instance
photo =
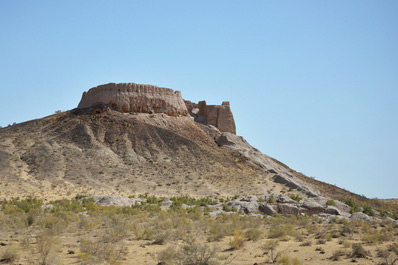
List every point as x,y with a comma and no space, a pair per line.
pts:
131,97
219,116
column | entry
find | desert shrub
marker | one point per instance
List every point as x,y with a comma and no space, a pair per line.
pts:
286,260
98,251
358,251
271,199
154,200
347,244
116,232
9,255
218,231
145,206
228,208
299,237
375,237
337,255
167,256
349,202
28,204
295,197
67,205
366,227
226,225
32,215
196,254
353,205
368,210
270,249
178,201
53,224
237,240
312,228
141,231
281,231
295,261
253,234
346,229
306,243
46,245
393,248
162,236
25,242
389,258
86,223
80,196
330,203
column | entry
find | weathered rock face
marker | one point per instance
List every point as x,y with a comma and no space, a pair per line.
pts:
131,97
219,116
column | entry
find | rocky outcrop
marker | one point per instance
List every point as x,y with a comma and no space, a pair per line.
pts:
361,216
281,174
114,200
131,97
219,116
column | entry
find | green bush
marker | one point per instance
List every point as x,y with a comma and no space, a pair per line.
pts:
281,231
178,201
67,205
354,207
295,197
253,234
330,203
368,210
28,204
271,199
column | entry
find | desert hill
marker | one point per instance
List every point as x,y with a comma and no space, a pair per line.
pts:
131,139
137,175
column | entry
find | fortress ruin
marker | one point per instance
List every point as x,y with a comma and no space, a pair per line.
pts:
139,98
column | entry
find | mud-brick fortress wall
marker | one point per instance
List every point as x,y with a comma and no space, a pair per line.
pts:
131,97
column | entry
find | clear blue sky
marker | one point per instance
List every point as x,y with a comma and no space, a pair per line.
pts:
311,83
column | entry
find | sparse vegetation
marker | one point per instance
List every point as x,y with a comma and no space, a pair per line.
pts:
270,249
295,197
237,240
105,234
358,251
354,207
330,203
9,255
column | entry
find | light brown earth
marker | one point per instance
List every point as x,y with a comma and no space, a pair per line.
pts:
102,151
127,232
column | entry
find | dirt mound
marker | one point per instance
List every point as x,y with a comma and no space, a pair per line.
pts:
100,150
